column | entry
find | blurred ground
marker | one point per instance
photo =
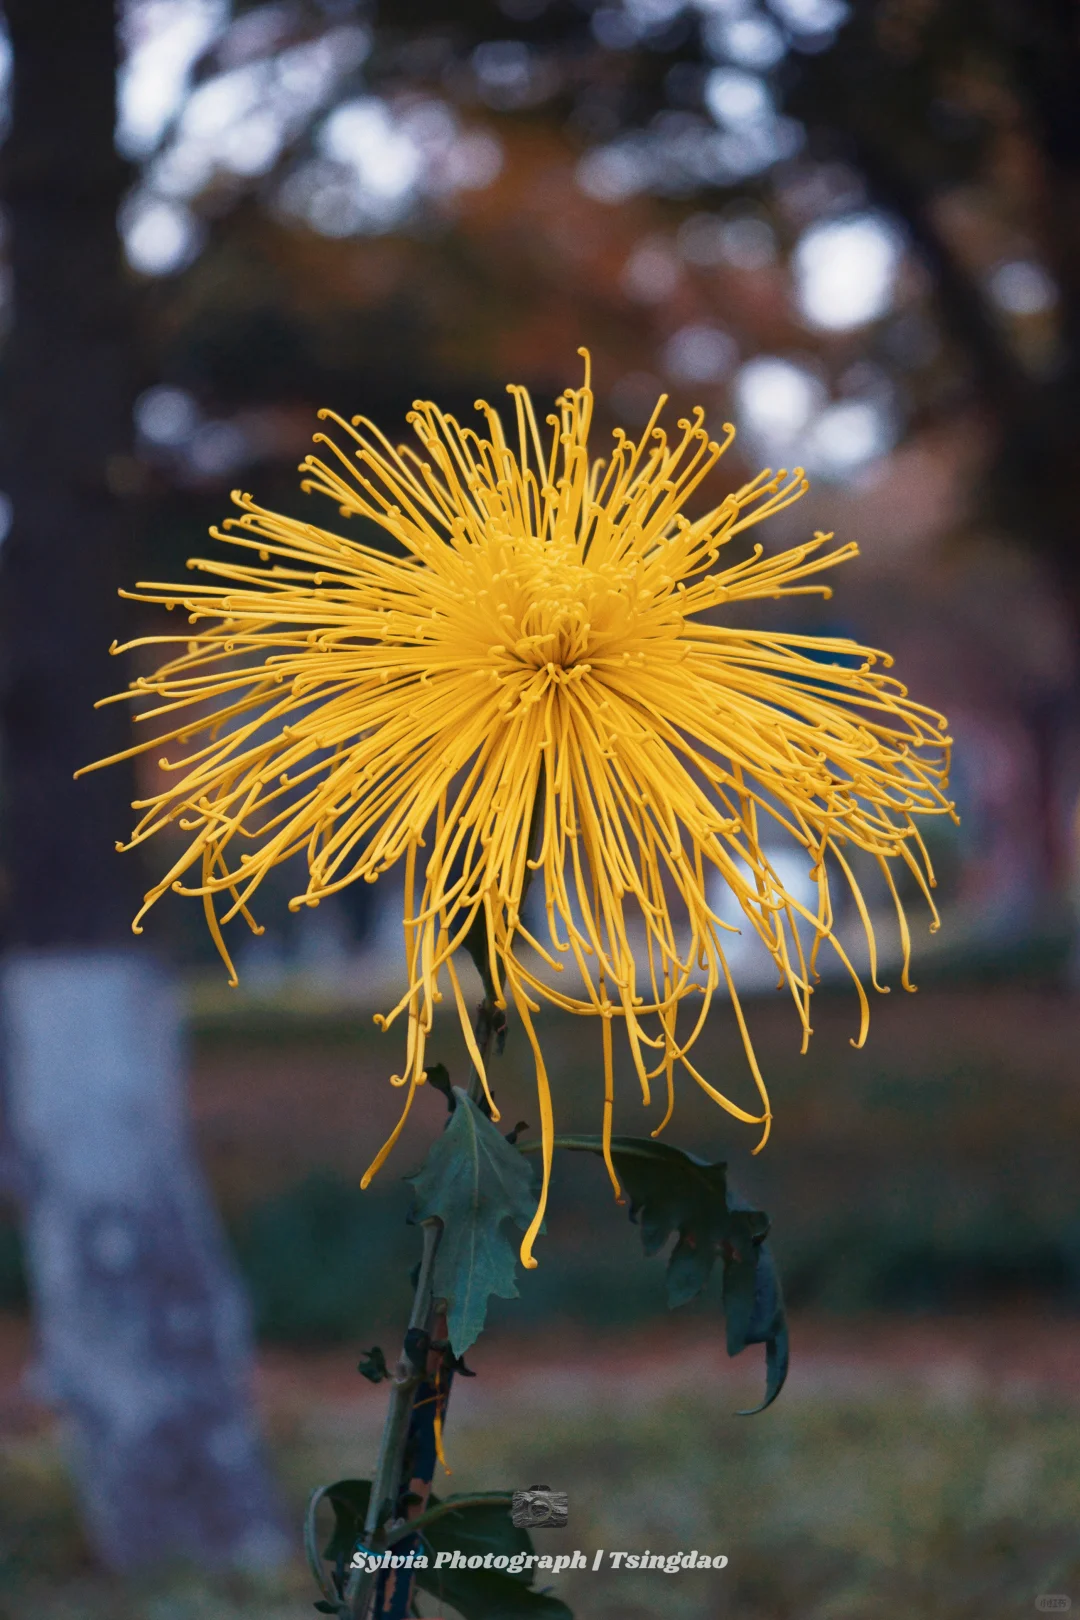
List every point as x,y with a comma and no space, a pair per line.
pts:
921,1462
909,1470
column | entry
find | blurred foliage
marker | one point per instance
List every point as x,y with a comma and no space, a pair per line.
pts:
916,100
958,120
324,1261
933,1171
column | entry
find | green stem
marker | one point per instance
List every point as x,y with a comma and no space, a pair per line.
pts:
388,1485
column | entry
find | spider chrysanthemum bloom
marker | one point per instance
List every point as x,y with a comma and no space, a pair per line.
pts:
536,682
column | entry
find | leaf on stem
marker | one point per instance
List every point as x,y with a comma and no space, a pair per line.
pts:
754,1312
438,1075
675,1192
349,1500
474,1182
483,1594
372,1365
469,1525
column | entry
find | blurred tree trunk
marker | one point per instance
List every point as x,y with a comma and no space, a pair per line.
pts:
142,1331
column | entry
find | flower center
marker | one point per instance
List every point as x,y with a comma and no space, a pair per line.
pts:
555,610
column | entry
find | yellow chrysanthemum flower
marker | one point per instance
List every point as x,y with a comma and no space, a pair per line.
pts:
536,677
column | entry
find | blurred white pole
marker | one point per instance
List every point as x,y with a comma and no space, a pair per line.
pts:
142,1333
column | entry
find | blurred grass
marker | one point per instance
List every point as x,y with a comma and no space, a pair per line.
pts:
890,1506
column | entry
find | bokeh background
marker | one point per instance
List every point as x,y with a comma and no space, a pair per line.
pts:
851,229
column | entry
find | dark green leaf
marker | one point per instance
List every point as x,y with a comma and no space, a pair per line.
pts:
438,1075
675,1192
349,1500
740,1296
764,1324
474,1182
484,1594
477,1527
373,1366
327,1608
490,1594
